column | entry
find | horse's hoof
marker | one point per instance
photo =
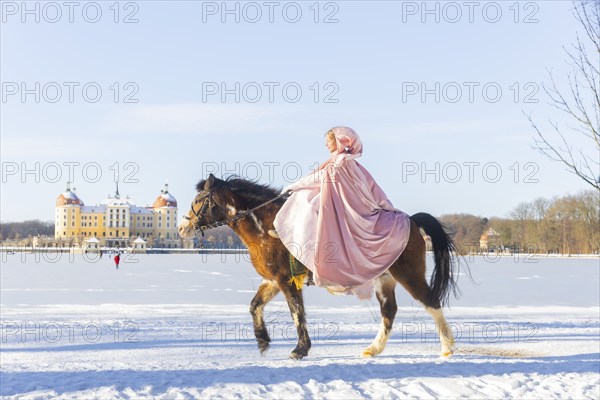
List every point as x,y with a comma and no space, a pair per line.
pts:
368,353
263,347
447,354
296,356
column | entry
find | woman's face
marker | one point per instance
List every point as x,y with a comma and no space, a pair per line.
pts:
331,144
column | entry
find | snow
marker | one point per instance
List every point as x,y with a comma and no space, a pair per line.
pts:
168,197
178,326
117,201
93,209
70,195
140,210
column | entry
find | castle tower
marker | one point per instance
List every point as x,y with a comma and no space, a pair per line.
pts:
67,218
165,218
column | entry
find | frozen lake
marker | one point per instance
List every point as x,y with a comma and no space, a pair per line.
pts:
30,279
177,326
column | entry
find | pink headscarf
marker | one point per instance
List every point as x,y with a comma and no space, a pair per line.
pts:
347,138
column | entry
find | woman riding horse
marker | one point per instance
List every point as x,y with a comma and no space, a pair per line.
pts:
351,210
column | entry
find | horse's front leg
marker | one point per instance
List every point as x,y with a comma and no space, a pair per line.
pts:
296,304
266,291
384,290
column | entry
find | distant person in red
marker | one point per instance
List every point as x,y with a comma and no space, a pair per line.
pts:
117,259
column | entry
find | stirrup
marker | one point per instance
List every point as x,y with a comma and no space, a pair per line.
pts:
310,281
273,233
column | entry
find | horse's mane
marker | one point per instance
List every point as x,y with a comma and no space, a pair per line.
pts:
252,191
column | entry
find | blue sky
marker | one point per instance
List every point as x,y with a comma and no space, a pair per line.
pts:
368,61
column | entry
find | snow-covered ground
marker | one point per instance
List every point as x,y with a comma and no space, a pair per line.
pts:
177,326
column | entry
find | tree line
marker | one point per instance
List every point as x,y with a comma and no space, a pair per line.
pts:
25,229
566,225
222,237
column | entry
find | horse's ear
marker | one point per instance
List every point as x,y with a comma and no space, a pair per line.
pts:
209,182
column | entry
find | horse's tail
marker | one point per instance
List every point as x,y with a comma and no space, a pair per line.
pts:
443,277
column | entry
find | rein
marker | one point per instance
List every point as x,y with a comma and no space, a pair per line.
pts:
239,214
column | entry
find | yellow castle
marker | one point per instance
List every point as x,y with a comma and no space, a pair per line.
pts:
116,222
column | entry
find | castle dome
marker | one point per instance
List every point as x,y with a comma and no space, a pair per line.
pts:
165,199
68,198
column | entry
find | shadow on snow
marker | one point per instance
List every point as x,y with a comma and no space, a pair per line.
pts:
13,383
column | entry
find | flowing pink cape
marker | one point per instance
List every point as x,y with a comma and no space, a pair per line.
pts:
340,224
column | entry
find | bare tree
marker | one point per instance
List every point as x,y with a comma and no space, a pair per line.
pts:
581,102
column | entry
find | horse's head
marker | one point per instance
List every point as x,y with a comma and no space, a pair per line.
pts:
211,204
226,201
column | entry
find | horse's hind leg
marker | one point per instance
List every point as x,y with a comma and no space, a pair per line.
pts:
420,290
409,271
266,291
384,290
446,335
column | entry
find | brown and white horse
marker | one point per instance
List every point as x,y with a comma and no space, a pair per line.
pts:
222,200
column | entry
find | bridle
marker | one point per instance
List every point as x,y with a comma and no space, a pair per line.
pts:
209,203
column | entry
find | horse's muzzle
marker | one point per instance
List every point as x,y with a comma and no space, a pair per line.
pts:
185,229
